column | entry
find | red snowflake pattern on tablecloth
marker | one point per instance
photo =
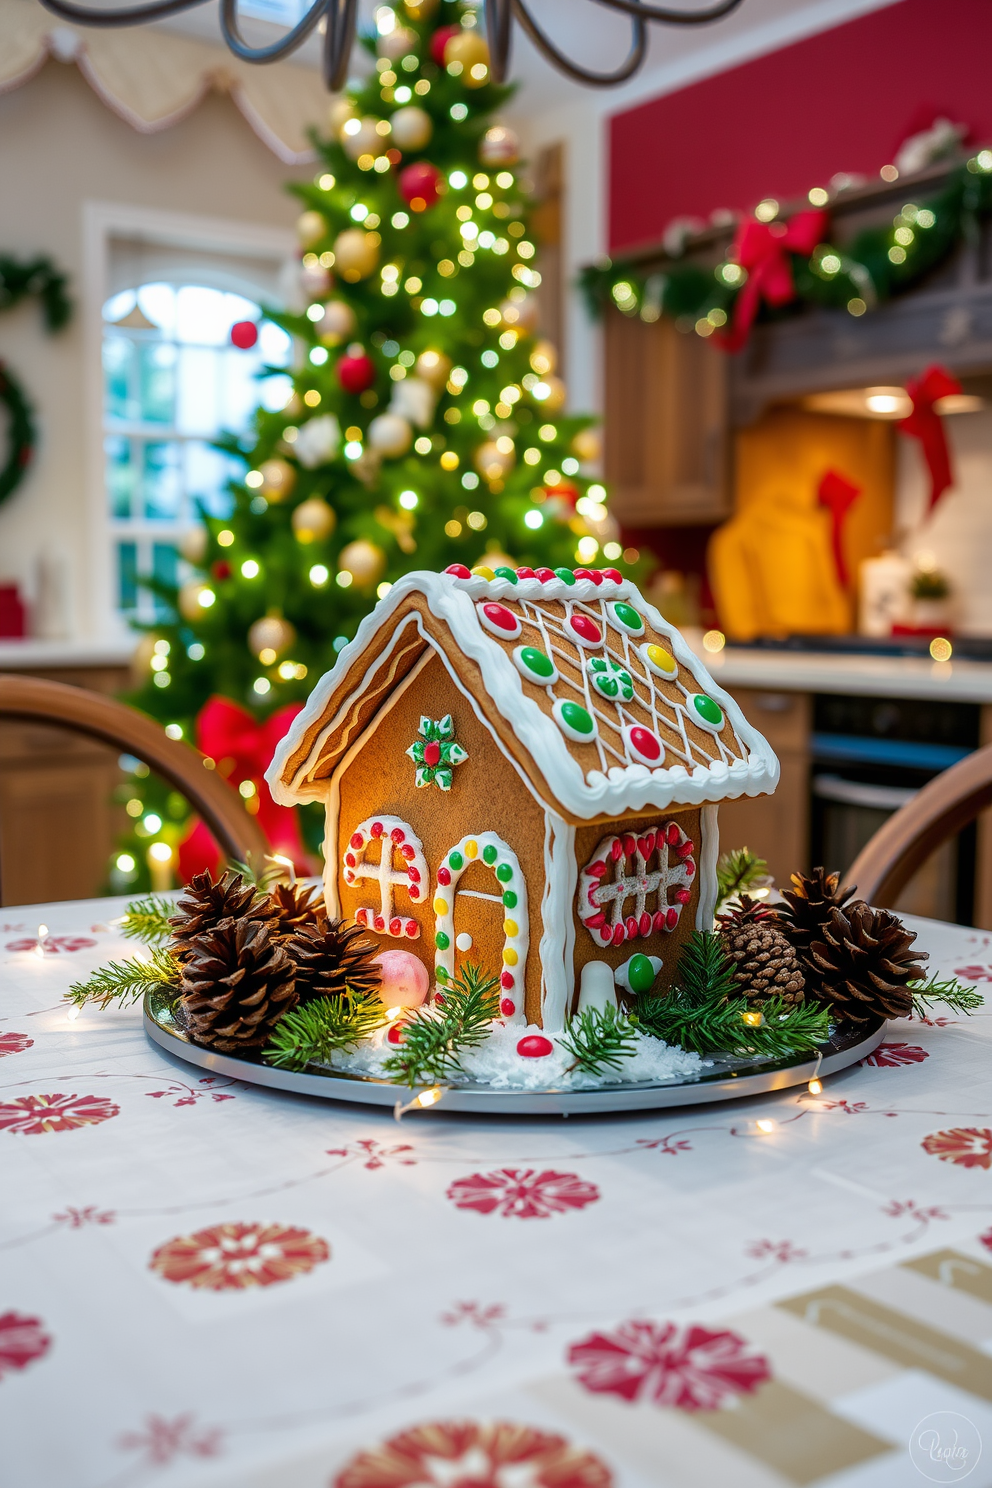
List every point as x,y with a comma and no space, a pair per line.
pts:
22,1340
53,945
32,1114
376,1154
892,1056
235,1257
986,1239
968,1146
77,1219
974,973
522,1193
670,1146
14,1043
188,1096
775,1250
475,1454
163,1440
474,1313
903,1208
691,1368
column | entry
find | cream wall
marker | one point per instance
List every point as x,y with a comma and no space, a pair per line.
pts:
60,148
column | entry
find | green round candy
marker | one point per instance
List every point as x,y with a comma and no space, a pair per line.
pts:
535,661
640,974
504,873
456,861
441,941
506,573
628,616
566,575
509,899
489,854
577,718
709,711
440,974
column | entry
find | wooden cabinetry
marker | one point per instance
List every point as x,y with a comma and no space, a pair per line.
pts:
776,827
665,427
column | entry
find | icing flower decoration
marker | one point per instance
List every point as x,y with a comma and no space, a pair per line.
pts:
436,753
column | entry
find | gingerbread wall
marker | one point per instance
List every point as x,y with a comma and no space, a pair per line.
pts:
487,794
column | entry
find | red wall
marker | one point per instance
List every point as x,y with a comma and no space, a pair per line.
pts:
843,100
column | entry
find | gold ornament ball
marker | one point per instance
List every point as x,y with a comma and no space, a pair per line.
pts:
519,314
433,367
141,659
420,10
556,394
313,520
278,479
390,435
499,146
362,137
544,358
271,633
356,254
470,50
193,545
493,462
315,281
397,43
412,128
364,561
339,112
337,323
190,601
310,228
587,446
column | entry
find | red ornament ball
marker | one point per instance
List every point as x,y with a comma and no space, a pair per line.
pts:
420,185
244,334
356,373
440,40
221,569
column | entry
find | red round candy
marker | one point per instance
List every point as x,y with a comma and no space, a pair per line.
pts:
508,1007
398,835
413,874
535,1046
444,876
596,576
356,373
582,573
432,752
645,742
629,844
458,571
378,923
525,573
501,617
683,895
632,927
244,334
613,574
545,575
361,916
440,40
408,850
357,840
413,891
411,928
619,935
420,185
395,925
376,829
690,867
644,924
350,860
506,980
672,834
658,922
586,628
395,1034
672,918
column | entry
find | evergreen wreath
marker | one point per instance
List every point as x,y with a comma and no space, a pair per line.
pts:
19,279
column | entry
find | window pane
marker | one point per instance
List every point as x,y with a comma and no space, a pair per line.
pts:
127,575
158,302
121,476
207,473
275,345
164,568
158,382
196,409
160,484
118,373
237,373
275,392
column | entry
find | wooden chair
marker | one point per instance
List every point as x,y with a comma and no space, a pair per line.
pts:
902,845
33,700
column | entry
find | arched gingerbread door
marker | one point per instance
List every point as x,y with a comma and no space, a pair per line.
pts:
480,908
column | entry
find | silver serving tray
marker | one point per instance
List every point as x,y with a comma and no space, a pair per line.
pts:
724,1079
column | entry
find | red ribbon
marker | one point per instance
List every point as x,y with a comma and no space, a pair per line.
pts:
243,749
763,248
837,494
924,424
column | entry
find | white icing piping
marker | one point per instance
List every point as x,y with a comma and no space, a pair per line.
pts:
416,883
709,852
472,848
557,948
603,897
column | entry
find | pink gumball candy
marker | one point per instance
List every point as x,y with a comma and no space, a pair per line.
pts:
405,982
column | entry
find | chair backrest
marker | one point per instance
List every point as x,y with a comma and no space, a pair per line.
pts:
902,844
34,700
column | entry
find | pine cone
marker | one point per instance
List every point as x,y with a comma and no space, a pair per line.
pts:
764,959
236,984
205,904
296,906
807,909
330,955
863,964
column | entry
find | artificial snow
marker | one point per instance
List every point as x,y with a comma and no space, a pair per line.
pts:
497,1064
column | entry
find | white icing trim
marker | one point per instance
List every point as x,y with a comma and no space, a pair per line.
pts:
599,895
631,789
557,948
709,852
568,729
513,945
418,887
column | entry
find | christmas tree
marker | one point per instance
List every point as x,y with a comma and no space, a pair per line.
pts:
426,425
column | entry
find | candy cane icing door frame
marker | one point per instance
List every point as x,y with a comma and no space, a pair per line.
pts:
487,848
394,836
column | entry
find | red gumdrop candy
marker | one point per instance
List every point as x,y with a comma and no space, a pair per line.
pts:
525,573
444,875
398,835
586,628
413,891
545,575
672,834
613,574
395,925
376,829
631,927
412,929
395,1034
535,1046
644,924
582,573
409,851
596,576
658,923
378,923
672,918
508,1007
458,571
432,752
506,980
357,840
619,935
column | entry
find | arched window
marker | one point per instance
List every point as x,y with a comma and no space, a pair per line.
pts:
173,382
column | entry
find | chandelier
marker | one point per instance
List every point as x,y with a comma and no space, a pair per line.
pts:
341,16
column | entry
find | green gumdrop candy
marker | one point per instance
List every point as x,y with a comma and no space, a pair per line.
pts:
489,854
640,974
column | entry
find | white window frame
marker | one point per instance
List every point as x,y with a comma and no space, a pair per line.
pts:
102,223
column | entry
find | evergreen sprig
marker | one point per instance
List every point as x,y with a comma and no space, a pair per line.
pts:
434,1038
951,993
705,975
147,920
312,1034
126,981
719,1026
599,1039
739,871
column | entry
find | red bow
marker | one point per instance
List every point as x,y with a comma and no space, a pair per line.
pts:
243,749
837,494
924,424
763,248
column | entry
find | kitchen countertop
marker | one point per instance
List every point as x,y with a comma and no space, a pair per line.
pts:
32,655
881,676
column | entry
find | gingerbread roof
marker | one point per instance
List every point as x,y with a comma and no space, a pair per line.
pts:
597,698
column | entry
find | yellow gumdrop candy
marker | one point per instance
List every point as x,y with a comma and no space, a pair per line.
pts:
660,658
471,849
510,956
510,927
484,572
440,906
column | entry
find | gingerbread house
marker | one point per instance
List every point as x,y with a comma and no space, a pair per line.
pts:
522,769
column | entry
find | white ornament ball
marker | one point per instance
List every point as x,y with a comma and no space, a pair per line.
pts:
390,435
278,479
337,323
315,281
310,228
313,520
193,545
500,146
318,441
412,128
414,399
404,979
397,43
364,561
339,111
271,633
361,137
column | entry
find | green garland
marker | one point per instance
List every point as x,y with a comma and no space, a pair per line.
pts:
18,280
21,433
880,262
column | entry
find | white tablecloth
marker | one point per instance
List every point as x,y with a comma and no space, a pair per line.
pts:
206,1283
